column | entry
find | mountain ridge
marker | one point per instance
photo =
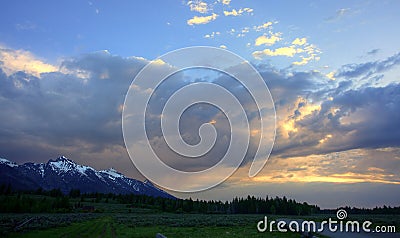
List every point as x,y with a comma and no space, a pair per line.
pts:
65,174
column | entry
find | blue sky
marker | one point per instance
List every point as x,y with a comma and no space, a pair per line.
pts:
332,68
148,29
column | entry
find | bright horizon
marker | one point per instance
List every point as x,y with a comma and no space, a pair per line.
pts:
332,69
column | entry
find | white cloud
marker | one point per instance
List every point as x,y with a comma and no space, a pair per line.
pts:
264,40
263,26
304,60
339,14
241,32
198,6
212,35
239,12
299,41
311,53
196,20
282,51
299,46
342,11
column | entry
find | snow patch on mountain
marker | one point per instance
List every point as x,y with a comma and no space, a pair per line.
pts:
112,173
7,162
66,165
41,169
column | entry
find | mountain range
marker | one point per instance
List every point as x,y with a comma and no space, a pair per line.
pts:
64,174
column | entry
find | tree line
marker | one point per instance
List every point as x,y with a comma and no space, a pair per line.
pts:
249,205
384,210
40,201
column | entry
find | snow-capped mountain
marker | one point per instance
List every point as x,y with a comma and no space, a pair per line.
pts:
65,174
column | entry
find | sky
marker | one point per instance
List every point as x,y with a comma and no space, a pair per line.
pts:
332,68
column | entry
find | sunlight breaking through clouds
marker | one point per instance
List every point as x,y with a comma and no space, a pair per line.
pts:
21,60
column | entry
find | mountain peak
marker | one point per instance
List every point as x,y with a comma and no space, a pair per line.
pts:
4,160
7,162
65,174
62,159
62,163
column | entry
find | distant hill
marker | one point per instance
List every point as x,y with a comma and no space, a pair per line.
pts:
65,174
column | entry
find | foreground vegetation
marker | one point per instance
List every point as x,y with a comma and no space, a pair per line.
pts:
146,223
110,226
53,214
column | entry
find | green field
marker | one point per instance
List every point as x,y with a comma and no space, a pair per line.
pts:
111,227
111,218
148,225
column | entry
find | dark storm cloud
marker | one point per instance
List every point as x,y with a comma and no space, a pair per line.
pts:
287,88
349,117
377,115
62,112
77,111
366,118
365,70
195,116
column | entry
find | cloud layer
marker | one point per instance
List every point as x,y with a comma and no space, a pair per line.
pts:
76,111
